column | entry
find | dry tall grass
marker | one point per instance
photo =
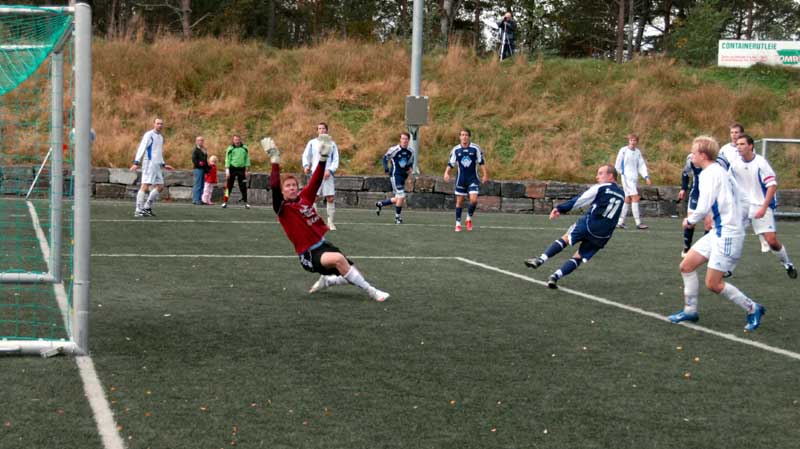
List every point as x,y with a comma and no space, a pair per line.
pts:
544,119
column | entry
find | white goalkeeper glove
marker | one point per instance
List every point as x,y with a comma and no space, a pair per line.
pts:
272,151
325,146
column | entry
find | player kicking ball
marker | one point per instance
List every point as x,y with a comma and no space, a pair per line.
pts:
306,230
593,230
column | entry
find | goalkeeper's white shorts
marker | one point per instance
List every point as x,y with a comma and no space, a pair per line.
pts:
328,187
151,173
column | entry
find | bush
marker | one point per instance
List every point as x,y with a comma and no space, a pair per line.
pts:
695,41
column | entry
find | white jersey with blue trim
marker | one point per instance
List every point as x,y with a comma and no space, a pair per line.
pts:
310,157
151,148
754,178
467,158
720,196
630,164
728,154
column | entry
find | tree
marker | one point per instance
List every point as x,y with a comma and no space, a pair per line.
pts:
695,40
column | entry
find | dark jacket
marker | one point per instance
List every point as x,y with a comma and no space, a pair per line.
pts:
509,27
200,158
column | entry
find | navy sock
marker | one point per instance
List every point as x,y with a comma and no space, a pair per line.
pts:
471,209
458,213
688,235
397,210
555,248
386,202
568,267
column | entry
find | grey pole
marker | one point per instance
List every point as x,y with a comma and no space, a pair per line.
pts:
416,73
56,165
83,174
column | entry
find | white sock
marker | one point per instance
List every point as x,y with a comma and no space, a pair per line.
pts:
782,256
544,257
354,277
624,213
140,198
335,280
691,286
635,210
151,199
738,298
331,209
764,245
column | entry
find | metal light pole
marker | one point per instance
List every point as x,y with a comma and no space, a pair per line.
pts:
416,76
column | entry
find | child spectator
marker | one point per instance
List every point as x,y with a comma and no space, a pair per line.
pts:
211,180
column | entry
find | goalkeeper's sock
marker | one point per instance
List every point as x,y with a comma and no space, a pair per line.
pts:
332,280
151,199
471,209
635,210
354,277
459,210
554,248
331,209
691,287
141,196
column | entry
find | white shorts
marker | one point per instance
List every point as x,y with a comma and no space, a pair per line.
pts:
629,187
328,188
763,224
723,253
151,173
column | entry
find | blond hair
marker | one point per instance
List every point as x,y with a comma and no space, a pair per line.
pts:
212,160
706,145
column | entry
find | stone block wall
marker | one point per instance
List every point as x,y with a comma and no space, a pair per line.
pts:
423,192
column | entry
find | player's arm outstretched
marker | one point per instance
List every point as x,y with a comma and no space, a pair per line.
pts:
575,202
275,175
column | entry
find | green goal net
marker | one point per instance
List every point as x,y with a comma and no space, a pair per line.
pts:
37,168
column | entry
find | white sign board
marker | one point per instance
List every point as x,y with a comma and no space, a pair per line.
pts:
747,53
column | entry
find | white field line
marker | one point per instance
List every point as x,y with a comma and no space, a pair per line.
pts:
257,256
729,337
106,425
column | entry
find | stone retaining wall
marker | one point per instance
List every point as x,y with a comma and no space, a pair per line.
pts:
424,192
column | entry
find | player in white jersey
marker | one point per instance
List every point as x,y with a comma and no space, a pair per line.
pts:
310,161
729,153
722,247
150,157
630,165
756,180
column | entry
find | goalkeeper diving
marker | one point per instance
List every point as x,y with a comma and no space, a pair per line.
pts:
306,229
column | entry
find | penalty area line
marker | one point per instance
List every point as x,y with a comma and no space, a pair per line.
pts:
729,337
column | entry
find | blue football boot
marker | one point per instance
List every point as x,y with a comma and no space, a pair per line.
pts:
754,319
684,316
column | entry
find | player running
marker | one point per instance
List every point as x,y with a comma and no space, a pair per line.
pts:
756,180
402,161
593,230
468,156
306,230
721,248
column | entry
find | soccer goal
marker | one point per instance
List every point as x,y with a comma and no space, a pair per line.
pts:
45,171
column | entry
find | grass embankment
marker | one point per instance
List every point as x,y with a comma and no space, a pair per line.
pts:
542,119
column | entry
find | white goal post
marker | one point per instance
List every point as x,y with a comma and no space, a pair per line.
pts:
75,312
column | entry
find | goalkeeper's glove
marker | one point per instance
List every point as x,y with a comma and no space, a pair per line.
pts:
325,146
272,151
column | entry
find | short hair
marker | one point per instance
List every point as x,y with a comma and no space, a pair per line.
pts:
633,136
466,130
748,138
289,178
706,145
323,124
737,125
611,169
212,159
404,133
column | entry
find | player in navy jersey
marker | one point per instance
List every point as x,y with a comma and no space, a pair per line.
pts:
689,171
401,159
593,230
305,228
467,156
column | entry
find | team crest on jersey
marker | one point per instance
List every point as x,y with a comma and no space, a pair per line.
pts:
466,161
402,162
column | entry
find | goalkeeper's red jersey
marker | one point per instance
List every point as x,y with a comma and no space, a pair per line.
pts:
299,218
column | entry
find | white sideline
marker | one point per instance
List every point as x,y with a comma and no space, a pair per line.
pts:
733,338
103,416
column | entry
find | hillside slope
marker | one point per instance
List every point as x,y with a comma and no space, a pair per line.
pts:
543,119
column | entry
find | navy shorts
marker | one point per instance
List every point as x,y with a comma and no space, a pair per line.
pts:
590,244
310,260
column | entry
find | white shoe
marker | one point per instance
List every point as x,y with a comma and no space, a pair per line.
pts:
321,283
331,226
378,295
